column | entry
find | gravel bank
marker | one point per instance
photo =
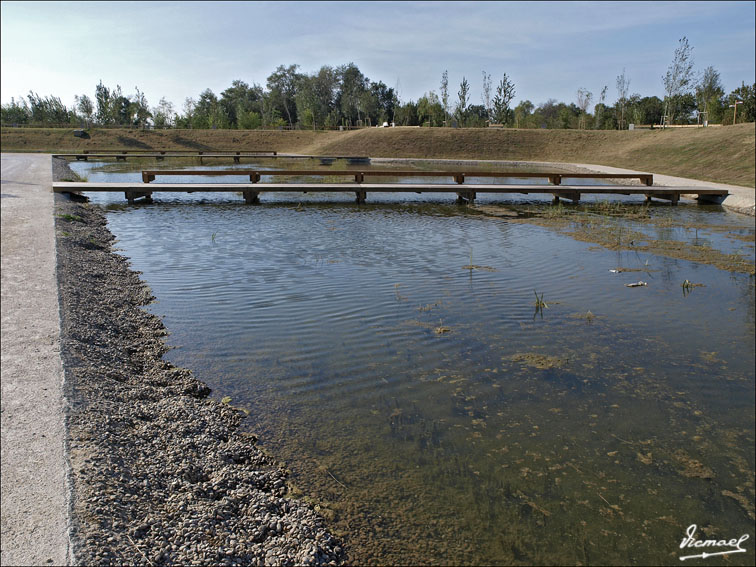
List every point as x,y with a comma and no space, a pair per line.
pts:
160,473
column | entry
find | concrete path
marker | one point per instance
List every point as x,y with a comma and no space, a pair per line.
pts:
34,488
740,199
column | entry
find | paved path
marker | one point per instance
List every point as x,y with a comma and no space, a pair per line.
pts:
34,507
740,199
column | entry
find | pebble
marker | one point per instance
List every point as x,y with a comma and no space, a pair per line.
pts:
149,450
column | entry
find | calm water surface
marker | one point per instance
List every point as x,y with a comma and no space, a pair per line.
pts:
433,415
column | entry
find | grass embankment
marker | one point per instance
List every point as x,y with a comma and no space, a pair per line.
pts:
724,154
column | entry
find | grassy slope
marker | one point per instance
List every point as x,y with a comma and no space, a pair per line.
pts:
725,154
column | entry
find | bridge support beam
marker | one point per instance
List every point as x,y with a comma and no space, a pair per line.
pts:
132,196
574,196
466,197
361,196
674,198
251,197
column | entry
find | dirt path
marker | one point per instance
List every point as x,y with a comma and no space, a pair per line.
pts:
34,488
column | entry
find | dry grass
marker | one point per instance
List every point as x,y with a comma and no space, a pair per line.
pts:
724,154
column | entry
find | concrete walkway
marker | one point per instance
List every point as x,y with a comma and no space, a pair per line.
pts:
740,199
34,502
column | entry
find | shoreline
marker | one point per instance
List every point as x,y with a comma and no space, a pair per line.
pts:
159,472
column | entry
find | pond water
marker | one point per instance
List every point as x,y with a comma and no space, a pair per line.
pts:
393,357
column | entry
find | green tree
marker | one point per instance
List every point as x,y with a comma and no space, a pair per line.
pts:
445,93
678,79
523,115
85,108
163,115
429,109
239,99
746,112
15,113
48,110
139,109
505,92
352,87
463,97
282,85
709,93
623,88
103,100
406,114
598,110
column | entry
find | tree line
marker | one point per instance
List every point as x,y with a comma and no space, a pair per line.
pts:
344,97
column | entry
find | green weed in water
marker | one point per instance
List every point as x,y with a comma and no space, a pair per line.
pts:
540,305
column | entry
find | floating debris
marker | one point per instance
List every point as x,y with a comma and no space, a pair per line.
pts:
636,284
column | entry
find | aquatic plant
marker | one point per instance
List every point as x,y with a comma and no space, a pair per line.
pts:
540,305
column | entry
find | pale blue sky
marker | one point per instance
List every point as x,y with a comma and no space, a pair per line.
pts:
549,49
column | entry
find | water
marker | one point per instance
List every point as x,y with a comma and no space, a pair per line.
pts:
432,414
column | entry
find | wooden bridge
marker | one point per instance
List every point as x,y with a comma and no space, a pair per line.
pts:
466,192
159,155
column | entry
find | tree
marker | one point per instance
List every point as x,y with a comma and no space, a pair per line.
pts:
85,107
746,112
709,92
476,116
163,115
486,95
464,97
584,97
429,107
352,85
239,99
678,79
385,100
15,113
651,109
523,114
49,110
445,93
282,84
102,97
406,114
598,110
505,92
205,112
139,109
623,87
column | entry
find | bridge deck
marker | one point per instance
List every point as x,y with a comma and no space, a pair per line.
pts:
468,192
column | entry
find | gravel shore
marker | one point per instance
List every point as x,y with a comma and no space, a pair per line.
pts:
160,473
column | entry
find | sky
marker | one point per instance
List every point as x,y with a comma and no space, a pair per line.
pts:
548,49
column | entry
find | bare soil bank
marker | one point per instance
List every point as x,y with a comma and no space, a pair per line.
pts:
723,155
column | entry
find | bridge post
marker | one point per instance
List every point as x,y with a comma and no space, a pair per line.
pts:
466,197
251,197
361,196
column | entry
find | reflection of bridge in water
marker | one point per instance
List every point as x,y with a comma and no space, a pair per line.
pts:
466,192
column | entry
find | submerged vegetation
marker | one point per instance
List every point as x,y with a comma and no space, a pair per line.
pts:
638,228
